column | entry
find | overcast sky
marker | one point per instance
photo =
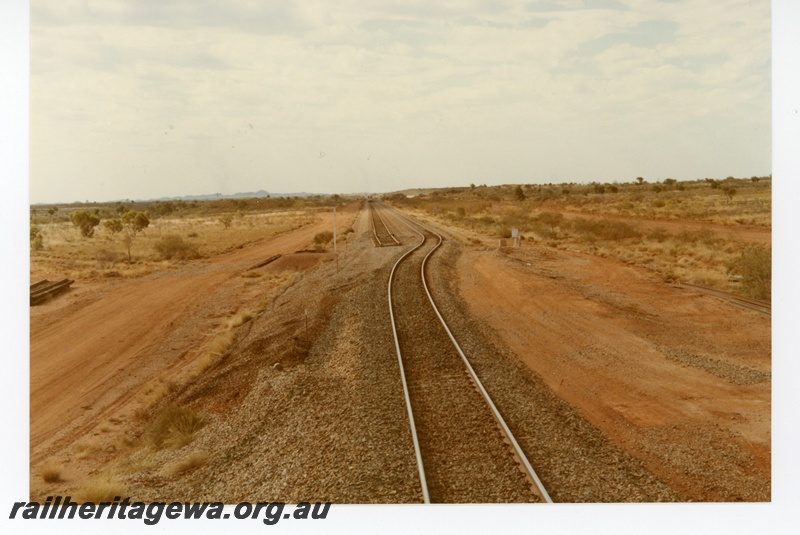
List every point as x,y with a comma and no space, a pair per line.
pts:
149,98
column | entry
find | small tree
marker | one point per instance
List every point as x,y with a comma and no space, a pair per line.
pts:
519,194
730,191
113,225
226,221
85,222
639,180
135,221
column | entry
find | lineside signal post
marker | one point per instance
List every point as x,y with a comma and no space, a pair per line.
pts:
515,236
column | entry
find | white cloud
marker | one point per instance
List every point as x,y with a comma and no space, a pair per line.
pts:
142,99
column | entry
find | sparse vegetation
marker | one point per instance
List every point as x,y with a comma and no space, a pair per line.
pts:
51,473
173,246
131,231
322,239
85,222
174,428
619,220
101,489
37,242
755,267
113,226
135,221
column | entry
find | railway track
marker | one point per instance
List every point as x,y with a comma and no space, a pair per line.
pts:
380,232
755,305
465,451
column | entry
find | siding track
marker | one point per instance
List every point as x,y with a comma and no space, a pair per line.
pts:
380,232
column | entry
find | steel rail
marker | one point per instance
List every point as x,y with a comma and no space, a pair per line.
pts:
385,226
755,305
421,469
372,218
495,412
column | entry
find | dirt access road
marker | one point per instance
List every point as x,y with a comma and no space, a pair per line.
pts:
101,347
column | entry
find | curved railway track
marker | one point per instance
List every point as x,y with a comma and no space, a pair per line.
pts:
380,231
465,451
755,305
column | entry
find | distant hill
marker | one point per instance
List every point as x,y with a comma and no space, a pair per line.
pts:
240,195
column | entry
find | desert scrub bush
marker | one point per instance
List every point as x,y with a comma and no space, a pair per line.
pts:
658,234
106,257
226,221
113,226
51,473
101,489
323,238
547,224
215,349
604,229
37,241
173,246
704,236
85,221
174,428
240,319
755,267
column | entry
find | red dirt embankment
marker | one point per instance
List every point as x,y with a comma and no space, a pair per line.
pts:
100,348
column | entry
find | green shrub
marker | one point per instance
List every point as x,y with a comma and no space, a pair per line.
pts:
85,222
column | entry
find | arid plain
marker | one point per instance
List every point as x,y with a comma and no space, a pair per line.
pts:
227,352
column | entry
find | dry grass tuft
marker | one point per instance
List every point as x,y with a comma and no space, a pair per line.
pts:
51,473
101,489
174,428
240,319
220,343
87,448
194,460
